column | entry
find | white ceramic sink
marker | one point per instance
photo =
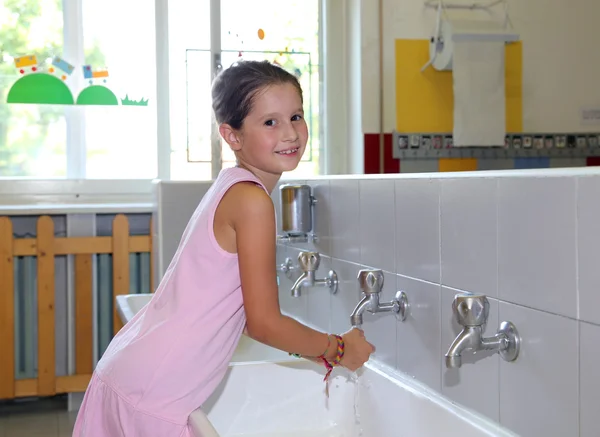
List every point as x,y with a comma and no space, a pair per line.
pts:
129,304
268,394
288,399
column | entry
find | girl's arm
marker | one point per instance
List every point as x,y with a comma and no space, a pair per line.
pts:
253,220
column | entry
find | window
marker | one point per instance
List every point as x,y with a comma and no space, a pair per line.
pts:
289,35
189,28
77,141
32,137
120,142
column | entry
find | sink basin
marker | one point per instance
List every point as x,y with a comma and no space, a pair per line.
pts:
129,304
247,350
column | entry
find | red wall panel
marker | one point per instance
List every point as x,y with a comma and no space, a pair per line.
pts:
371,143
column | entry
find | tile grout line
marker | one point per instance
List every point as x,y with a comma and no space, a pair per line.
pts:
579,379
395,230
441,361
577,293
577,301
497,203
360,254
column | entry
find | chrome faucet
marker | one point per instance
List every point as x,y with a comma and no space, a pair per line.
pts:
371,284
287,267
471,312
309,263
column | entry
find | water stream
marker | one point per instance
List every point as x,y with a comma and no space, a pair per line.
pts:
356,382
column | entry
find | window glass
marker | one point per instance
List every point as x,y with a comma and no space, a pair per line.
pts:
261,29
286,32
32,136
119,38
189,42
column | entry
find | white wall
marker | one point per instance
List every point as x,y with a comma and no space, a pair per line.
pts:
174,205
560,70
526,239
341,86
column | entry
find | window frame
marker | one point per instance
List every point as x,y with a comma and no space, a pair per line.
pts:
73,48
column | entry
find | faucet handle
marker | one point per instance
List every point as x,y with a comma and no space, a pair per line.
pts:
471,309
371,281
309,261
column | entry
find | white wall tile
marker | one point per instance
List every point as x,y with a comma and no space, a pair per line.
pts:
468,224
281,255
475,383
322,214
419,336
537,243
513,239
589,379
588,244
418,229
377,224
539,391
347,296
380,328
319,299
344,220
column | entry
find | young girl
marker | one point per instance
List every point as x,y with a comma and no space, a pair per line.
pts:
221,282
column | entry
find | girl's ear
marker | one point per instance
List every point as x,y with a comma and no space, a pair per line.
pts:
231,136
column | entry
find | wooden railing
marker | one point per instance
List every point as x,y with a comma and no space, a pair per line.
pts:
45,247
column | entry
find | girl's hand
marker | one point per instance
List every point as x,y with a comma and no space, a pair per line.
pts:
356,349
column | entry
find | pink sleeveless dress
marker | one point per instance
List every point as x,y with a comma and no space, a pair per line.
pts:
172,355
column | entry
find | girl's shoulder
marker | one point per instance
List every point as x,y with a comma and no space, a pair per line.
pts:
249,198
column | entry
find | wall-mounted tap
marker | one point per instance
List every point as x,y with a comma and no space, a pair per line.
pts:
309,263
287,267
471,311
371,284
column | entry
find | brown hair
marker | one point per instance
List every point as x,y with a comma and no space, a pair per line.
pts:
234,89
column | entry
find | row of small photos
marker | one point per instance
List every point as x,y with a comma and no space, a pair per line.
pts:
512,141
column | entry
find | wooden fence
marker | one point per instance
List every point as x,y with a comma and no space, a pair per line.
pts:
45,247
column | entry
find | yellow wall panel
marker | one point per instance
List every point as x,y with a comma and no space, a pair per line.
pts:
425,101
513,87
458,164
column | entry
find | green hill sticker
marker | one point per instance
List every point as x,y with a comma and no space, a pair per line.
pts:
40,88
97,95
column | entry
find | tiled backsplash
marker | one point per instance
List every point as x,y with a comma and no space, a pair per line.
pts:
528,240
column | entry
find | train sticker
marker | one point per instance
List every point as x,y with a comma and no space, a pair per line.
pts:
24,63
61,68
90,74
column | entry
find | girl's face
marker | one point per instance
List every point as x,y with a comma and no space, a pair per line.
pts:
274,134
